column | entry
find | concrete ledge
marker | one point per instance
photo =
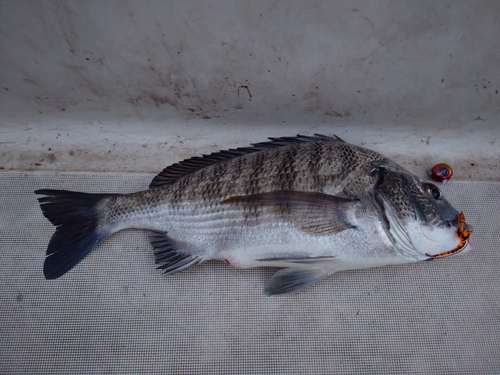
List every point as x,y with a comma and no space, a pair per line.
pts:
126,86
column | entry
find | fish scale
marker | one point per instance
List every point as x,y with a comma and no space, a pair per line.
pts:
312,205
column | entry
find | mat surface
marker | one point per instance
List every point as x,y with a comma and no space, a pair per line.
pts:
115,313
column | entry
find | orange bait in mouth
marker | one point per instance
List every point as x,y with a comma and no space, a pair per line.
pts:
462,233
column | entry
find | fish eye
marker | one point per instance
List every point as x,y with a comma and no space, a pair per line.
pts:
434,192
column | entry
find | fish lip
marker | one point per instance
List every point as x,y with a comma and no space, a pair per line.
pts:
464,231
461,226
457,250
469,227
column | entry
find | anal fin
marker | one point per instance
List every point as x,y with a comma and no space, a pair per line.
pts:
170,259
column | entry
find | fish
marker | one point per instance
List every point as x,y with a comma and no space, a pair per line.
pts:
310,205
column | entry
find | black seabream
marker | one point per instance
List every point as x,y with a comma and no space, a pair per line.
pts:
313,205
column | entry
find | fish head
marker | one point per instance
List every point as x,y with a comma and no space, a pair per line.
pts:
420,222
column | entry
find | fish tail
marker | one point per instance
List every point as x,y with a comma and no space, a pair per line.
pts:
76,216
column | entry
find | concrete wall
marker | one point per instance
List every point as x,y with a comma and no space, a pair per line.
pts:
133,85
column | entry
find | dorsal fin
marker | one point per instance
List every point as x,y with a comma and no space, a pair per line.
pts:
175,171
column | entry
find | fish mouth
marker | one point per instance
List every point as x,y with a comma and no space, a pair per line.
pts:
464,231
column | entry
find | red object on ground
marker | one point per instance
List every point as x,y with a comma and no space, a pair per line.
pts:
441,172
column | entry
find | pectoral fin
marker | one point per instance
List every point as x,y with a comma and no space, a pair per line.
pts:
294,280
315,213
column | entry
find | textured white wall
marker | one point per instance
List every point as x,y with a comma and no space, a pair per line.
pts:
134,85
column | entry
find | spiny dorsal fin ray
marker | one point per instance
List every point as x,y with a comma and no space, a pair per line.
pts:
175,171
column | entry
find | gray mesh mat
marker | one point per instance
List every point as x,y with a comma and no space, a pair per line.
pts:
115,313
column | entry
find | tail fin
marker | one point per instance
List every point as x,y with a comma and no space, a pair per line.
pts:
76,216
